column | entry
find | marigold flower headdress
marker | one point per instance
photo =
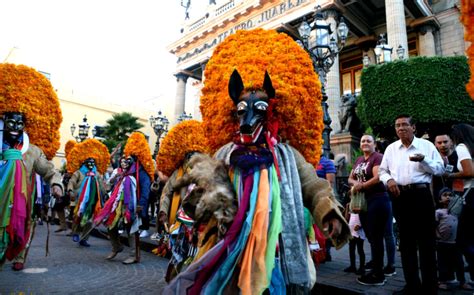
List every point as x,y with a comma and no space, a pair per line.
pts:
89,148
25,90
70,144
137,146
467,18
187,136
298,90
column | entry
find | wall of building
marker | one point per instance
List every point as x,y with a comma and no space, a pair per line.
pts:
451,33
73,110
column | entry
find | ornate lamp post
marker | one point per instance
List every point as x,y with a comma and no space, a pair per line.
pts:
383,52
400,52
323,51
160,127
83,132
184,117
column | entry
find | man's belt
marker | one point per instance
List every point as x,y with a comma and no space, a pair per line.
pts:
413,186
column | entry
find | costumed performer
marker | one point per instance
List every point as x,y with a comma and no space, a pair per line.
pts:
29,123
128,202
87,161
184,144
265,248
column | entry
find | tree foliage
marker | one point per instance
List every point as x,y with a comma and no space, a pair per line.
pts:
118,128
430,89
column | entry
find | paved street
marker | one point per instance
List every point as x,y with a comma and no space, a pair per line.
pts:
70,269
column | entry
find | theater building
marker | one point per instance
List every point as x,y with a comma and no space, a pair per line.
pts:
419,27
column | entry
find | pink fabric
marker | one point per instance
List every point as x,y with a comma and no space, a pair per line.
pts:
17,229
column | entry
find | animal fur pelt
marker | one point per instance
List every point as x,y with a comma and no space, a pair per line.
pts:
212,195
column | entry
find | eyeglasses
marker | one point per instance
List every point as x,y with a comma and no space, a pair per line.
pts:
398,125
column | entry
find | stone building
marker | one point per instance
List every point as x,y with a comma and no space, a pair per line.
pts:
420,27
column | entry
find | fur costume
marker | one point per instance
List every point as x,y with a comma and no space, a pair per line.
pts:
265,248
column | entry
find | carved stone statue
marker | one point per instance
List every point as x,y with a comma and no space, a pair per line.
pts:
347,112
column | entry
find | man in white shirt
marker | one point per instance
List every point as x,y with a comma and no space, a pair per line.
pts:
407,169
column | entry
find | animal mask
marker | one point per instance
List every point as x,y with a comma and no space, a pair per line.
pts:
251,106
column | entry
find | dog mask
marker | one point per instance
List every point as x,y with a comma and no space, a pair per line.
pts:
251,106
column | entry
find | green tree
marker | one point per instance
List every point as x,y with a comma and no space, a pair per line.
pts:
430,89
118,128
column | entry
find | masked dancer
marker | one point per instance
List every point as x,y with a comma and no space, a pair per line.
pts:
128,202
29,123
89,160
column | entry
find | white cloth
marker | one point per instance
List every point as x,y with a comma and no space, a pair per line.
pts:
396,164
463,154
353,221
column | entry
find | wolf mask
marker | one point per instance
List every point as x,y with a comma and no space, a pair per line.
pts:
251,106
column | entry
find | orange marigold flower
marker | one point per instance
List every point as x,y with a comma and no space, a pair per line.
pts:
187,136
467,18
70,144
137,146
89,148
298,90
24,90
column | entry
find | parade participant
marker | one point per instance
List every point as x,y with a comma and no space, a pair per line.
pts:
265,248
128,202
87,161
64,201
29,122
185,141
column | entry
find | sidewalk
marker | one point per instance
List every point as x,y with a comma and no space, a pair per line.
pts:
331,279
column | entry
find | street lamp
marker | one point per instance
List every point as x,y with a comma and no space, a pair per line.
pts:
184,117
366,60
383,51
323,52
83,132
160,126
400,52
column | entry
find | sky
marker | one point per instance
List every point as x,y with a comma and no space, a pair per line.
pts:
113,50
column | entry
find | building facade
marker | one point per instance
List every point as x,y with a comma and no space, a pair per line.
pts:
420,27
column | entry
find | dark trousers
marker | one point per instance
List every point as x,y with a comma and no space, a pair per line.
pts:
359,244
374,222
450,261
416,217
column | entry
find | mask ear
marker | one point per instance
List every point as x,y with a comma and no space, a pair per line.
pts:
236,86
268,87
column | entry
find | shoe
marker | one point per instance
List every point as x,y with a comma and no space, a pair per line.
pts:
407,291
75,238
369,265
84,243
371,280
60,230
443,286
17,266
466,286
389,271
144,234
113,254
350,269
129,260
360,271
155,237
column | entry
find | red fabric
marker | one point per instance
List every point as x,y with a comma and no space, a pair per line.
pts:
320,255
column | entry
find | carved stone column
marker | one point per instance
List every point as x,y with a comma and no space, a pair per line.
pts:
180,100
396,26
333,82
427,41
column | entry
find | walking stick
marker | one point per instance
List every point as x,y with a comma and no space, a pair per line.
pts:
137,247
